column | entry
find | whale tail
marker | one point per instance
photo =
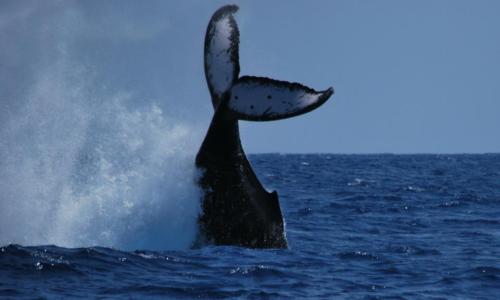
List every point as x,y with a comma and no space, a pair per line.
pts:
237,209
248,97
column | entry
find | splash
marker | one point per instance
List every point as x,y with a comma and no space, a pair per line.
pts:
82,167
77,170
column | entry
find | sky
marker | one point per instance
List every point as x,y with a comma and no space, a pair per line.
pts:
409,76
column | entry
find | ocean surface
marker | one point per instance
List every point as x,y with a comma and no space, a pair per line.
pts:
358,226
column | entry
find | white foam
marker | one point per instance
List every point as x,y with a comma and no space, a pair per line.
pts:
80,172
80,167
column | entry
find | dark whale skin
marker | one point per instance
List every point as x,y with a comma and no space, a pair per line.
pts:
236,209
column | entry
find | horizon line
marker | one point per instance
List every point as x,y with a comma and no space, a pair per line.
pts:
375,153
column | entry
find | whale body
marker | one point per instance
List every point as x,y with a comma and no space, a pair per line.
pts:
236,209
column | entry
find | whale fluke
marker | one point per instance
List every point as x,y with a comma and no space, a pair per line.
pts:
236,209
264,99
222,53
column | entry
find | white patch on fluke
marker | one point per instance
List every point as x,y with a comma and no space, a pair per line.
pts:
222,69
254,98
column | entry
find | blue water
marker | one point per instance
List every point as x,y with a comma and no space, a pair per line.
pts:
359,227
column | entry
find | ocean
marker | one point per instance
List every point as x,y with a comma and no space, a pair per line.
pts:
358,227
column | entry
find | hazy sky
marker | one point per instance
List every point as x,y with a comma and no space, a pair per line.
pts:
409,76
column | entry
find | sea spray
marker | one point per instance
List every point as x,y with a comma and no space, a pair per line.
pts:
78,171
85,166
